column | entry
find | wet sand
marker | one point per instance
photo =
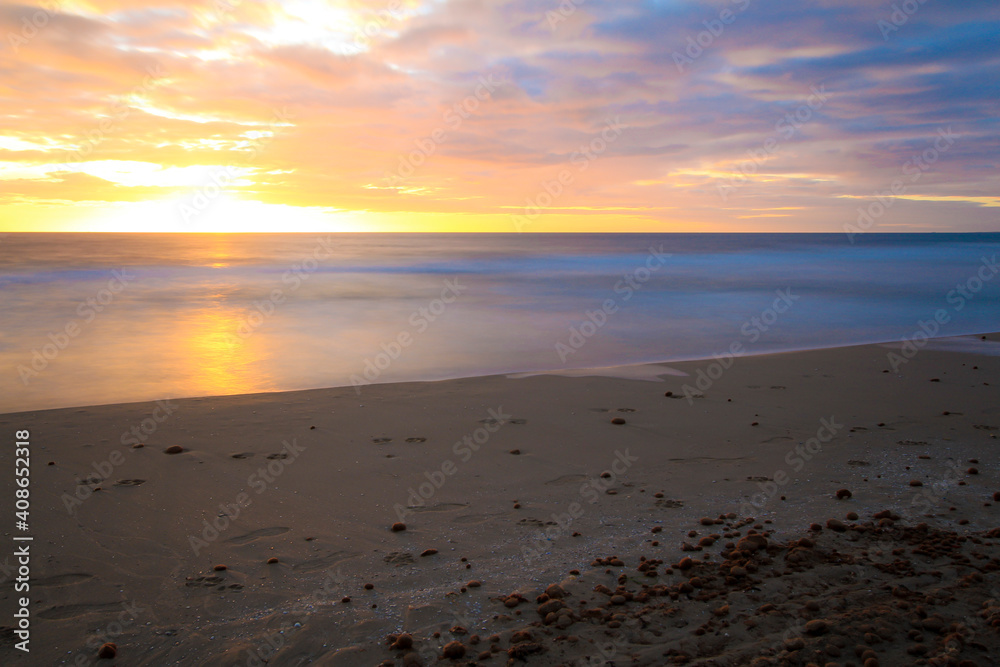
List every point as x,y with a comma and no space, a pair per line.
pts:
547,520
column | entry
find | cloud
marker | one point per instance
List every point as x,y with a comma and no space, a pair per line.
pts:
367,87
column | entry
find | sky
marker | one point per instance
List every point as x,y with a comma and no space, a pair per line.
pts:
500,116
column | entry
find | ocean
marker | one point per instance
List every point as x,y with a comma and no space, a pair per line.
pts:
90,319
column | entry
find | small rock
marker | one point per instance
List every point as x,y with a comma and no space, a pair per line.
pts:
403,642
617,420
173,449
398,527
272,560
453,650
817,627
428,552
107,651
843,494
836,525
220,568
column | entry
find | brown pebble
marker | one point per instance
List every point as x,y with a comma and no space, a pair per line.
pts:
398,526
429,552
817,627
475,583
836,525
996,496
656,529
973,471
52,463
220,568
369,587
173,449
453,650
916,482
402,643
852,516
617,420
843,493
657,495
272,560
515,452
107,651
345,599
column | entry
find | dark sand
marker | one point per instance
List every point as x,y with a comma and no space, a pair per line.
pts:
515,503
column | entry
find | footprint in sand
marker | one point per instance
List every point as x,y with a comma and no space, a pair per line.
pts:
626,410
257,534
524,421
913,442
279,455
399,558
129,482
759,478
91,480
778,386
60,612
857,464
416,439
381,441
667,503
598,409
242,455
535,523
984,427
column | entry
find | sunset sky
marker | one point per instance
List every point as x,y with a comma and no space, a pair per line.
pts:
534,116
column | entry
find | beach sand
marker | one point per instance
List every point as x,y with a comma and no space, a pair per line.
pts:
697,546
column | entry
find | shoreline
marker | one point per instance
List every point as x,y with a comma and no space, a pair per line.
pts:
516,485
567,372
